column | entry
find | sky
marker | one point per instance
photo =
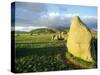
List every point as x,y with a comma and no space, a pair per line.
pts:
30,16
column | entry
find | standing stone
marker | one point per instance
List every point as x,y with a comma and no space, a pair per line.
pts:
79,40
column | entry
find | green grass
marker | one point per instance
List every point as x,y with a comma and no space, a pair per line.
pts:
36,41
79,62
38,52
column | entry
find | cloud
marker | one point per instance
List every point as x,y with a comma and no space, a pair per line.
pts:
71,14
27,28
50,15
32,7
63,8
89,17
90,21
53,14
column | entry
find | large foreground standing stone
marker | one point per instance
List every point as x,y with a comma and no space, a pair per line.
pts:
79,40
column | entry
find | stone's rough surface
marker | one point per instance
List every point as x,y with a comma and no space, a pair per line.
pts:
79,40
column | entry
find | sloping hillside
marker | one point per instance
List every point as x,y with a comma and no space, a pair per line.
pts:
43,30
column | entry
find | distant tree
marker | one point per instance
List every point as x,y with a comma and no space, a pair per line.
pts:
31,33
18,34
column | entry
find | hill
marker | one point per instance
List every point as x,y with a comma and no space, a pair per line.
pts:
43,30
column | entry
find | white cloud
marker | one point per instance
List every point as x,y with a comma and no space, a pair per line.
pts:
71,15
89,17
53,14
27,28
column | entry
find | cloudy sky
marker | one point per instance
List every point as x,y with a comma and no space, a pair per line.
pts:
30,16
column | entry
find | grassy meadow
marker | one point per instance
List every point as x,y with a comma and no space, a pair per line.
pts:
38,52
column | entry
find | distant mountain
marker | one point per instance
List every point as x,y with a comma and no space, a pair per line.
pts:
22,32
43,30
60,28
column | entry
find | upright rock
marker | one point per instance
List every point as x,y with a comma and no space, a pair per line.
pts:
79,40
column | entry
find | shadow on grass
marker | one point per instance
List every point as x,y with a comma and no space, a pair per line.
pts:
21,52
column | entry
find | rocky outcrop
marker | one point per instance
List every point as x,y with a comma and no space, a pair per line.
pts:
79,40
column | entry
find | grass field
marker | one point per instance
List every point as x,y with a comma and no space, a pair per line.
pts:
38,52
